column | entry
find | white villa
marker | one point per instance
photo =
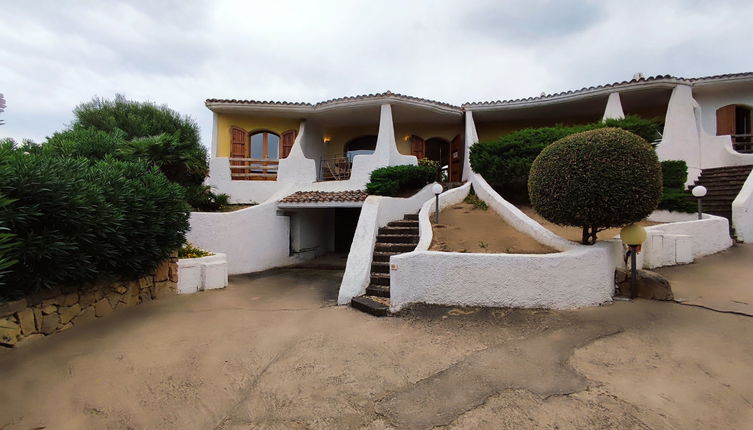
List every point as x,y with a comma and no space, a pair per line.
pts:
306,165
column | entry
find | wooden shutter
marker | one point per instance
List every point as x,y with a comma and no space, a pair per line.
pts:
288,139
238,149
417,147
725,120
456,159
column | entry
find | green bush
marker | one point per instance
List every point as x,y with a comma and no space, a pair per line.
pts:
506,161
78,220
434,165
85,142
392,180
674,196
201,198
596,180
7,242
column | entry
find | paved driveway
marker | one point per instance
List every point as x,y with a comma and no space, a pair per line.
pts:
273,352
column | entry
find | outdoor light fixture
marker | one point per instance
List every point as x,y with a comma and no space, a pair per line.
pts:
327,139
699,191
437,190
633,236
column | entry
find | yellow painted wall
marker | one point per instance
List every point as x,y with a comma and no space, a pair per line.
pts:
493,130
424,131
249,123
341,135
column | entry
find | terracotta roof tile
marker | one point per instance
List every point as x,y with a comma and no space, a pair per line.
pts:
325,196
335,100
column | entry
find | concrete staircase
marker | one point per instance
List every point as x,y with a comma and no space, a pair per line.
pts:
397,238
723,185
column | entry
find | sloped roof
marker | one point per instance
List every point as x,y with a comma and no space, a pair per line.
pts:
325,196
335,101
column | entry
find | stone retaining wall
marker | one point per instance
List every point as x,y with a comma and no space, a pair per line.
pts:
59,309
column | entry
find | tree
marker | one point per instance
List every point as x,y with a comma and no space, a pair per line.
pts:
596,180
156,134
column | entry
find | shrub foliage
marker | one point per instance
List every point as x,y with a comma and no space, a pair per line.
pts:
77,220
596,180
506,161
674,196
392,180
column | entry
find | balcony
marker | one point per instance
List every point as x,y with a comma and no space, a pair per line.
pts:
335,169
742,143
253,169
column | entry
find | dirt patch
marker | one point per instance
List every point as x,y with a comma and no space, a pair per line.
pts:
465,228
575,233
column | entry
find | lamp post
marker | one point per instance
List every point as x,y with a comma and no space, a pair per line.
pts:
699,191
633,236
437,190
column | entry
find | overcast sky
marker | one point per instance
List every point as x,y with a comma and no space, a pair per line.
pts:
57,54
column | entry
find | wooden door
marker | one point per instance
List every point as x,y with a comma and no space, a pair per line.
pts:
725,120
456,159
288,139
238,149
417,147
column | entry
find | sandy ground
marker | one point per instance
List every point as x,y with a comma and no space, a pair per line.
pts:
463,228
574,233
704,283
273,352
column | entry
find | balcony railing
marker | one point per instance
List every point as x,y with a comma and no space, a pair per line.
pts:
743,143
252,169
335,169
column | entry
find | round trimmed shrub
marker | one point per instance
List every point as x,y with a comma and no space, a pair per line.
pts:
596,180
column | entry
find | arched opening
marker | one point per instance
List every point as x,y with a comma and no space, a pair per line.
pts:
265,145
735,121
362,145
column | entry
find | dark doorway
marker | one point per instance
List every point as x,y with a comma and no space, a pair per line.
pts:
346,220
438,149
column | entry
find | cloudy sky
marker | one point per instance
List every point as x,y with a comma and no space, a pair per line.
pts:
57,54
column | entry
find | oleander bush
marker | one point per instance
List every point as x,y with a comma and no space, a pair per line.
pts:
506,161
596,180
393,180
78,220
674,195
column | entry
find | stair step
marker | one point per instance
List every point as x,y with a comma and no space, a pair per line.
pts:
384,256
378,290
397,238
380,267
380,279
395,247
413,217
399,230
747,167
370,306
403,223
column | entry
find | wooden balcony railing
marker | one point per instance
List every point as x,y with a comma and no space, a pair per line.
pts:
252,169
335,169
743,143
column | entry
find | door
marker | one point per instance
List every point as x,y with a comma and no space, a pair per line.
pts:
238,149
456,159
417,147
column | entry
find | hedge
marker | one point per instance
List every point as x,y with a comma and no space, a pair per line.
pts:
78,220
596,180
506,161
674,196
392,180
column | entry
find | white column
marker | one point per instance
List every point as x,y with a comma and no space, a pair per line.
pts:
614,108
681,140
215,132
471,138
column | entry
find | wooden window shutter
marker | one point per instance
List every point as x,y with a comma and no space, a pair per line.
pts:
238,149
288,139
725,120
417,147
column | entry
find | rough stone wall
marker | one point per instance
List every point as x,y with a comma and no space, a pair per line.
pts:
59,309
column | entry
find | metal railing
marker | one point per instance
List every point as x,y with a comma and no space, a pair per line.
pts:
335,169
253,169
743,143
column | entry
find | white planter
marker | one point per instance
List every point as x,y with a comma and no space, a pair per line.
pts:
205,273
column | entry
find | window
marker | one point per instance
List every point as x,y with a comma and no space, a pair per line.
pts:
363,145
265,145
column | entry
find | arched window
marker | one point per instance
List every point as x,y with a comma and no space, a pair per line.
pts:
265,145
362,145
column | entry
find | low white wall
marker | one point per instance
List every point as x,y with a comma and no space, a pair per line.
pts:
742,212
204,273
377,211
254,239
579,276
239,191
682,242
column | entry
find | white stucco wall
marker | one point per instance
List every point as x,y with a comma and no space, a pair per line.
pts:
239,191
578,276
377,211
711,98
614,108
296,168
742,212
681,242
686,139
204,273
471,138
